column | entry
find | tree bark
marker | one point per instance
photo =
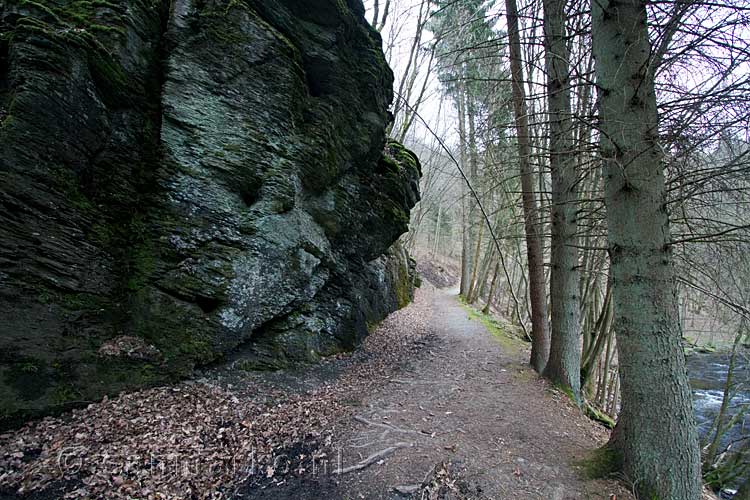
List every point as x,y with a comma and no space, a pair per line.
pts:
476,225
466,197
564,364
655,435
493,287
473,285
540,343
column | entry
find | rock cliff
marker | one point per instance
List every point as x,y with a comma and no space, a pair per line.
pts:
180,179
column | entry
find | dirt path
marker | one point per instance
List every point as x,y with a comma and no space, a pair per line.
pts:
475,404
429,393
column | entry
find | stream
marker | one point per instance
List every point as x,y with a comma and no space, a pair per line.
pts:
708,372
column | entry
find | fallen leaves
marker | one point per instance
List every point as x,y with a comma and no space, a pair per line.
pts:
189,442
440,483
200,439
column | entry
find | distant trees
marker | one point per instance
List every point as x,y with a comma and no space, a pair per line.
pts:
462,31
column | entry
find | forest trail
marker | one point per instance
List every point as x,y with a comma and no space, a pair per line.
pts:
472,403
467,411
430,400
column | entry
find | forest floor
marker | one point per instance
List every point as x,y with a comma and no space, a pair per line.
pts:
432,405
464,418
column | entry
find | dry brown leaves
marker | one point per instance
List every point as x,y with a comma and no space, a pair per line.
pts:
198,439
442,483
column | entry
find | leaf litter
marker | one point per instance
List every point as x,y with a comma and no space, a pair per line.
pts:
204,438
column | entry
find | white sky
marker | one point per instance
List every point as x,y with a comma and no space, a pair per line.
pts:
398,36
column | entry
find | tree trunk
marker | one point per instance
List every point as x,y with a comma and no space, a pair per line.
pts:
493,287
564,364
399,103
613,394
602,331
476,224
537,294
466,203
436,243
655,435
471,295
463,288
384,19
602,397
480,289
411,112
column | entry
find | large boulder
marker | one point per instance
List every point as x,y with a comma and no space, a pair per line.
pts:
182,178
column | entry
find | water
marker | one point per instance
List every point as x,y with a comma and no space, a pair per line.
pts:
708,373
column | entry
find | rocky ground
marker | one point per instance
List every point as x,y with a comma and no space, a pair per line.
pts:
431,406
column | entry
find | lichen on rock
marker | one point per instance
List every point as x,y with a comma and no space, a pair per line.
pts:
200,178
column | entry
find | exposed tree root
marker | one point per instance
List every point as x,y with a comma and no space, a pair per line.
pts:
373,458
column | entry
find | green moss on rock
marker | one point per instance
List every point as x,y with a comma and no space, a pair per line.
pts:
402,156
404,287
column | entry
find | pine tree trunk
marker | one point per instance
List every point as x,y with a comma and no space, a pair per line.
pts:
476,224
466,238
537,287
655,434
564,364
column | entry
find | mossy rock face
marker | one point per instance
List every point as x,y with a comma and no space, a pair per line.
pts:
199,175
337,320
